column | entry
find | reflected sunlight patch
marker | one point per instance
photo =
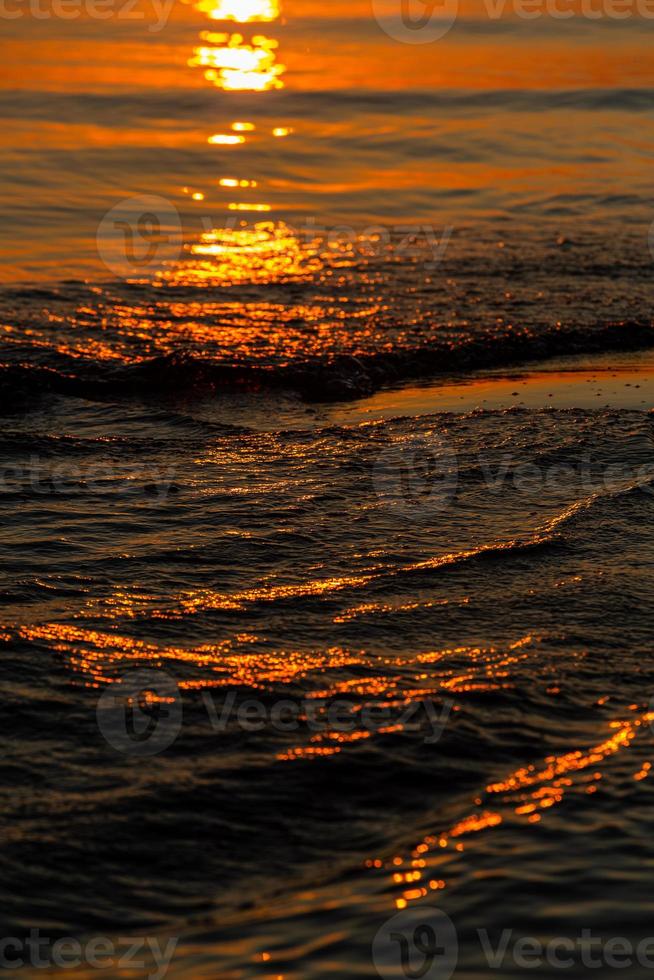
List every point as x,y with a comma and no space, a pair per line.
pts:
264,252
235,66
523,795
242,11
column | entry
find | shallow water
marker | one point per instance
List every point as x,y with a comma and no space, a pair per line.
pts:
511,593
539,123
218,468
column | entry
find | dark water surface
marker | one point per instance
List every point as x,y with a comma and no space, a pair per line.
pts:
187,488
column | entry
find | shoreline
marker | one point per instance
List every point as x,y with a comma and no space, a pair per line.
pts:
624,381
607,380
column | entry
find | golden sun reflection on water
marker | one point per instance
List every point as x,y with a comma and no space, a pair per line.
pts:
264,252
225,139
236,66
388,683
241,11
523,796
99,658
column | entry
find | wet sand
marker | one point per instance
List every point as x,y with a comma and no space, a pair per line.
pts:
618,381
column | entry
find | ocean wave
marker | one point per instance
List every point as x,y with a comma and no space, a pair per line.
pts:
337,377
153,106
